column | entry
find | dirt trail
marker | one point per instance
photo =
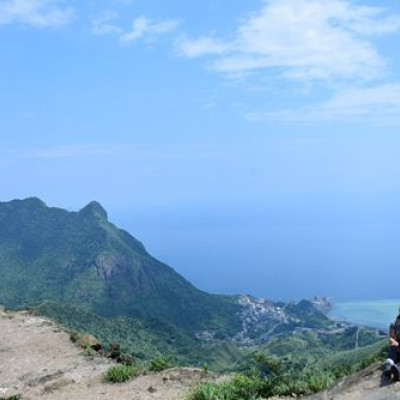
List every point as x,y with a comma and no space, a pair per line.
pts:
38,360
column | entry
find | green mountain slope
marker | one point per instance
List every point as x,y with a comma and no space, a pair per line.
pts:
81,258
84,272
142,338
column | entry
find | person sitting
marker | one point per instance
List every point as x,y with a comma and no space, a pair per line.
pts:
394,350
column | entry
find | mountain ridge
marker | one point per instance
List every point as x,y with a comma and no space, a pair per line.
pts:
89,260
87,274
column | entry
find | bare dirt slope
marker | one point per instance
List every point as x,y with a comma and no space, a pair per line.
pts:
38,360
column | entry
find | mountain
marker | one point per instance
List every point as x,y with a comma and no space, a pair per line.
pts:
83,272
81,258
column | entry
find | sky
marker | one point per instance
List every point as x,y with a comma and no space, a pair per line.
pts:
253,146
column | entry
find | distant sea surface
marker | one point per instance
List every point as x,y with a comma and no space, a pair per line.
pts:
372,313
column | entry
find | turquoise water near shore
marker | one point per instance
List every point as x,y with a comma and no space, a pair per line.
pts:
372,313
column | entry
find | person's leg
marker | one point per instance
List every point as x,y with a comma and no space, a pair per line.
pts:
394,353
391,360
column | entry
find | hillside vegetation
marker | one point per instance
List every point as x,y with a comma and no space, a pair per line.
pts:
82,271
81,258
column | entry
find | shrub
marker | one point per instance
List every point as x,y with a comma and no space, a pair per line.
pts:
87,342
239,388
374,357
320,381
205,368
121,373
207,391
262,377
160,363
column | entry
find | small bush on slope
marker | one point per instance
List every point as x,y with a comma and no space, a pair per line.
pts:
160,363
121,373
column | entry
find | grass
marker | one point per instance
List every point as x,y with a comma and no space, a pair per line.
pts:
264,376
160,363
243,387
240,388
121,373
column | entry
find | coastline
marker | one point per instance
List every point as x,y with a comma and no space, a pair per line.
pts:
370,313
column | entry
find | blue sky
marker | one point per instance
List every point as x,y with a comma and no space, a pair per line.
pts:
258,139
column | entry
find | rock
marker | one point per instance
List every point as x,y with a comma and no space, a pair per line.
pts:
114,351
86,341
38,380
125,359
151,389
57,385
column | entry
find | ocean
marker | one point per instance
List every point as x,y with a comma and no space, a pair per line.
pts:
371,313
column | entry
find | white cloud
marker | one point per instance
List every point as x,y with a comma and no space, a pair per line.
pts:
104,24
202,46
302,40
379,104
143,27
36,13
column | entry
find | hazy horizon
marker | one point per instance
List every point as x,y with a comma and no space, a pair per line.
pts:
253,146
282,257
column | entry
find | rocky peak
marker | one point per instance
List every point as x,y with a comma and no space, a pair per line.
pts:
94,208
